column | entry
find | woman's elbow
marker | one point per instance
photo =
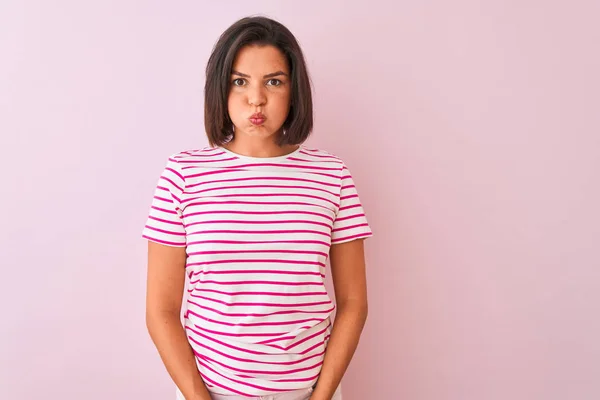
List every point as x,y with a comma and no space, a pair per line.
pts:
158,317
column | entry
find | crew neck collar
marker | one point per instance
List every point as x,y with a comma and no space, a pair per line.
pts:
261,159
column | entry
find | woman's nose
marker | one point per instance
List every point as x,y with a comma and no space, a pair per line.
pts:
256,96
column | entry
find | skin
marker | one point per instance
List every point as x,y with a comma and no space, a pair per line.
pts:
252,93
259,82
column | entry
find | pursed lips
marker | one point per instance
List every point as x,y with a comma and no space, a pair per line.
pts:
257,118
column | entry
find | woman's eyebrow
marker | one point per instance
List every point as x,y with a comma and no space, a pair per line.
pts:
234,72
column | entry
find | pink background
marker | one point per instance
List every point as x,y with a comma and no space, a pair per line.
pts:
472,130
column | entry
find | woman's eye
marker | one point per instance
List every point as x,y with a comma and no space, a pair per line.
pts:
237,81
275,82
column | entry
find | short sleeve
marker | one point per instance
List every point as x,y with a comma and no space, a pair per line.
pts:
165,224
350,222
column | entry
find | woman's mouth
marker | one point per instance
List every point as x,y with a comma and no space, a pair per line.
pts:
257,119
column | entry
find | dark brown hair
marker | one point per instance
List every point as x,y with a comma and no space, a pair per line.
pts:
256,31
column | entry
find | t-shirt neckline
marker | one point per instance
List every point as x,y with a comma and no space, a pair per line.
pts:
262,159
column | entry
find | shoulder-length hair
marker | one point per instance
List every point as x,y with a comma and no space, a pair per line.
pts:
256,31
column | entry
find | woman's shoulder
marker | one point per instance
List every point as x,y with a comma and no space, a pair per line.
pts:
197,151
201,153
320,154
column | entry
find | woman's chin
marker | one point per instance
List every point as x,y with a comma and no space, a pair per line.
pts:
256,132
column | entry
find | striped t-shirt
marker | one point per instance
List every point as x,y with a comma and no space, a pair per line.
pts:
257,233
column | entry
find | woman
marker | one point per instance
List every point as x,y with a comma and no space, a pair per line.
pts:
251,220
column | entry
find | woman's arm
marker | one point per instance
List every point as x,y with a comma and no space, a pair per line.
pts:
166,279
349,279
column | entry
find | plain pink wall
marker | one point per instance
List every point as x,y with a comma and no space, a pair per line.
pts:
472,130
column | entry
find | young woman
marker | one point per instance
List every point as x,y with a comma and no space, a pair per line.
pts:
251,220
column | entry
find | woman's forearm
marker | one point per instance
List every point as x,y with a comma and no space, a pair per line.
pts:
170,339
349,322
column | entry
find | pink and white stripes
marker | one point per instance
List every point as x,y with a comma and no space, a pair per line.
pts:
258,233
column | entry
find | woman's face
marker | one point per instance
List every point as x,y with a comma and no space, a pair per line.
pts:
259,83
